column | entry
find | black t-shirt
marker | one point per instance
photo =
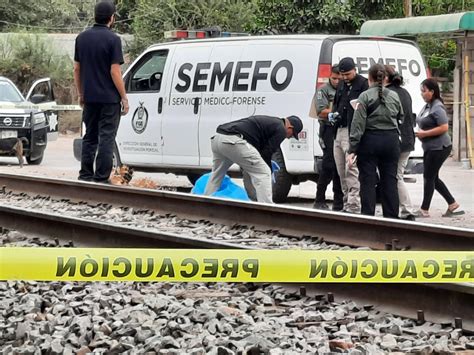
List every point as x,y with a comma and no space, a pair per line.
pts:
96,50
406,128
265,133
344,94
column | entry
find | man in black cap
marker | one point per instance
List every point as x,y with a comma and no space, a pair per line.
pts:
250,143
98,78
348,89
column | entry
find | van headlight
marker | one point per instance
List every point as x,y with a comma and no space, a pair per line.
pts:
39,118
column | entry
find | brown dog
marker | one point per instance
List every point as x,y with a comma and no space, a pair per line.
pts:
121,175
13,147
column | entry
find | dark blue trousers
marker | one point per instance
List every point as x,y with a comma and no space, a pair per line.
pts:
101,121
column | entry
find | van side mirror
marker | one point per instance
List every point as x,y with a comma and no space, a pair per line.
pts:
38,98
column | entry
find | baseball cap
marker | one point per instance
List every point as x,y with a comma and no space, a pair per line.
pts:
297,125
104,9
346,64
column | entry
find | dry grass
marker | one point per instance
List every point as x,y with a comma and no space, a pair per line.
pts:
70,121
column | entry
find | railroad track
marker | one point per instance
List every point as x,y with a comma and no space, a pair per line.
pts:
441,303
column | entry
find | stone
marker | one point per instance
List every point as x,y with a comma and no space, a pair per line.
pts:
389,342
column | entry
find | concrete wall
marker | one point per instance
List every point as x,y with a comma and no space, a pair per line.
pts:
63,43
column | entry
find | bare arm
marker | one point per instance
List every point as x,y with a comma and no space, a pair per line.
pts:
77,82
437,131
324,113
116,74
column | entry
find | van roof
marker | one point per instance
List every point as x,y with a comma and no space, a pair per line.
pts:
309,37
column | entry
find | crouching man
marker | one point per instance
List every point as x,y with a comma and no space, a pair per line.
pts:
250,143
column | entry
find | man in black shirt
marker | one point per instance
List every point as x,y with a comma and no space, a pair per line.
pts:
348,89
98,79
250,143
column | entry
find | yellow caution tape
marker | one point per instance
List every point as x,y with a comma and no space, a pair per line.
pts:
42,107
182,265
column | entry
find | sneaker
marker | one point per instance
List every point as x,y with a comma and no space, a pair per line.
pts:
409,217
337,207
320,206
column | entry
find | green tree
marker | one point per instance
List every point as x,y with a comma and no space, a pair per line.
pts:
24,58
321,16
46,15
440,7
151,18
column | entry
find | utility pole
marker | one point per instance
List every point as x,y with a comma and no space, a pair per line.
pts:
407,8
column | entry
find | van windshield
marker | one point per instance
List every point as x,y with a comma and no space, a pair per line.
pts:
8,93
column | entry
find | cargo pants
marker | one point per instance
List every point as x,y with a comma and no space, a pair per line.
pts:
228,150
349,176
406,207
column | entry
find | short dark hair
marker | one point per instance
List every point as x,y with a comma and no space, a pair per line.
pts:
335,69
103,11
432,85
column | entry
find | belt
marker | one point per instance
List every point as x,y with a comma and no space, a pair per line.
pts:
229,133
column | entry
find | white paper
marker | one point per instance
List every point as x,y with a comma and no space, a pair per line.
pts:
354,103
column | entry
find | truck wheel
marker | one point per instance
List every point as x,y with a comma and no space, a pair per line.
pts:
284,180
193,178
37,161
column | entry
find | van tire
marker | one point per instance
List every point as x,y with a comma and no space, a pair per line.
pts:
282,187
193,178
36,161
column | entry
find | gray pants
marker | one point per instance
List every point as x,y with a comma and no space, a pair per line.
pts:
228,150
406,207
349,176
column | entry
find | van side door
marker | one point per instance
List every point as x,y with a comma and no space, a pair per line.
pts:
191,68
217,100
139,134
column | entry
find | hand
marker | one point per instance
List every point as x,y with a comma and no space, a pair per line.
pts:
125,106
81,101
421,134
351,158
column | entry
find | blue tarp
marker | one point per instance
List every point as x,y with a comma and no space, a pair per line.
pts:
228,189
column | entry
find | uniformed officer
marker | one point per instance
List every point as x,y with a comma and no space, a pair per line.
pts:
250,143
324,103
394,82
349,89
375,141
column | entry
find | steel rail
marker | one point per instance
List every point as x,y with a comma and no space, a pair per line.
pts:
101,234
440,302
341,228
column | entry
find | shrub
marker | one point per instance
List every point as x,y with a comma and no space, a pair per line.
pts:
25,58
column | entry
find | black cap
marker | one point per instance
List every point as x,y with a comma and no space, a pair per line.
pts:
346,64
297,125
104,9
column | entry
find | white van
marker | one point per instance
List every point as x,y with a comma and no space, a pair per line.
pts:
179,92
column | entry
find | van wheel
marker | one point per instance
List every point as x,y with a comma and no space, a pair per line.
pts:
36,161
193,178
284,180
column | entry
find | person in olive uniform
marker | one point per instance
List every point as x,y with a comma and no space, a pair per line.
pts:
375,140
250,143
324,102
349,89
394,81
